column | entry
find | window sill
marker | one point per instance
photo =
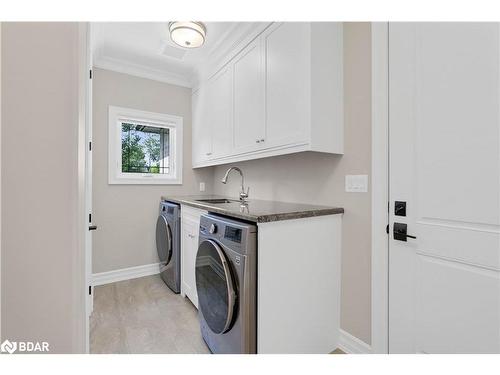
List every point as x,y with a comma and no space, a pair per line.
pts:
154,180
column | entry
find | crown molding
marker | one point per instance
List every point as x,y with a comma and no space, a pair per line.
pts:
223,39
126,67
244,34
227,49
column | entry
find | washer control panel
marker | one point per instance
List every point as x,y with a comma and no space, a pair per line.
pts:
233,234
239,236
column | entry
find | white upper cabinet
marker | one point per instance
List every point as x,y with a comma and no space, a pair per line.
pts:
221,112
282,93
249,100
202,139
288,88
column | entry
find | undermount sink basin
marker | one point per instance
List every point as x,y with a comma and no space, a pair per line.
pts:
216,200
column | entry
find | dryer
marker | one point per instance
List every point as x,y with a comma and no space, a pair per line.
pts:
226,282
168,244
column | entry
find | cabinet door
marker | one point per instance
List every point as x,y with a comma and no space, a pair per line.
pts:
249,98
202,134
288,85
189,249
220,99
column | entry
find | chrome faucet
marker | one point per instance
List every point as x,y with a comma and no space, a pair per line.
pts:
243,195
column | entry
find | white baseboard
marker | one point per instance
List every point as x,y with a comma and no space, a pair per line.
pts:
125,274
352,345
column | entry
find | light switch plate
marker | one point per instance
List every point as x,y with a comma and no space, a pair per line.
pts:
356,183
202,186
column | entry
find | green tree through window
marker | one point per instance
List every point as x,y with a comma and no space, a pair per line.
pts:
144,149
152,146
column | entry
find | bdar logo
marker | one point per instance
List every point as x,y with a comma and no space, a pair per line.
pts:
8,347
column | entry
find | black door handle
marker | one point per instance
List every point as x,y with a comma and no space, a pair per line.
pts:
92,227
400,232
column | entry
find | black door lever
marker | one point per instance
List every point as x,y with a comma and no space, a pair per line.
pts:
92,227
400,232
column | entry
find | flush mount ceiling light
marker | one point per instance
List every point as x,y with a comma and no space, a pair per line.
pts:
187,34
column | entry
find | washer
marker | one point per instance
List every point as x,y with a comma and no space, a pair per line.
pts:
226,281
168,244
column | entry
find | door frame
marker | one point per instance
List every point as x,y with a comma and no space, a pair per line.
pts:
82,329
380,188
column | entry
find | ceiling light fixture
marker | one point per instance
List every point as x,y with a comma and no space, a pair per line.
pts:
187,34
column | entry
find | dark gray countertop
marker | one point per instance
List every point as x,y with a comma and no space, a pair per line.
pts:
258,211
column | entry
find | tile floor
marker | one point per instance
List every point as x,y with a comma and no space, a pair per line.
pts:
143,316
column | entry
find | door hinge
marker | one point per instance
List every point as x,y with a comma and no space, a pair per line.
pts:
90,290
90,73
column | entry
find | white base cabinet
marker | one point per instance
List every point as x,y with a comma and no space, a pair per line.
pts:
282,93
190,224
298,288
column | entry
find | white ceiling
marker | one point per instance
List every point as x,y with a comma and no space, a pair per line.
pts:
145,49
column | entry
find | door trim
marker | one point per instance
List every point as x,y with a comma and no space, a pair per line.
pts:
380,188
81,327
352,345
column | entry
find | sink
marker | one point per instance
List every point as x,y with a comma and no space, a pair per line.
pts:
217,200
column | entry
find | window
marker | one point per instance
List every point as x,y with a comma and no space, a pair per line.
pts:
144,147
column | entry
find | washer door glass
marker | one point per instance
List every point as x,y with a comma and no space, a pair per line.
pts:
163,240
215,287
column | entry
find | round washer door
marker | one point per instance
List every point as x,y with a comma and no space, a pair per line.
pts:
215,287
163,240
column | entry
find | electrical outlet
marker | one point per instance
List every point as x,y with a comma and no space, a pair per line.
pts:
202,186
356,183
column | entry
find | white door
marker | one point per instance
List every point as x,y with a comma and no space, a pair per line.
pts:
249,98
288,83
220,97
444,285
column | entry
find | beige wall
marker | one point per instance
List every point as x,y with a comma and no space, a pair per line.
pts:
40,184
319,179
126,214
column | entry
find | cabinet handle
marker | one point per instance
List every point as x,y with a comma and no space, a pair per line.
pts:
209,153
262,140
257,141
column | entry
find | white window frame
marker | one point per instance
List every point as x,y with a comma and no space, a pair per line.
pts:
117,115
